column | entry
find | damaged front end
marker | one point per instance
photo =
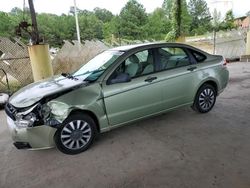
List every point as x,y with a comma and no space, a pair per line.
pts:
34,127
27,127
33,124
36,115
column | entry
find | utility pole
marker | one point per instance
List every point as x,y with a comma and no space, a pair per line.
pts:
178,18
77,24
34,33
39,53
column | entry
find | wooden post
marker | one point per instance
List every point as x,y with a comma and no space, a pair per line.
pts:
248,44
214,49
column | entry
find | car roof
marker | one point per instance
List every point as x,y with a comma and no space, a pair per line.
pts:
129,47
153,45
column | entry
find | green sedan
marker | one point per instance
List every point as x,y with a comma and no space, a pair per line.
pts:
117,87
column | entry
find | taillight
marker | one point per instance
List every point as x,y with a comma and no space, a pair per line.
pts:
225,62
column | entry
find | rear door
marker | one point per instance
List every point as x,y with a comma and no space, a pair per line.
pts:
178,76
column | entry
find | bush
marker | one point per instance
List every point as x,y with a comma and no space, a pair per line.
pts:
170,37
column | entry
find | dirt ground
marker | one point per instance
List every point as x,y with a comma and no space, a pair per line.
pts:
180,149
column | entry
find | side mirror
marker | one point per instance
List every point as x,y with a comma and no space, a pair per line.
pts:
121,78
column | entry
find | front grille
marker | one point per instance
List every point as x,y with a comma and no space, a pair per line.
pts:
22,145
10,111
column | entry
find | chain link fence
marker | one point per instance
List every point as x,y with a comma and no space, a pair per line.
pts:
15,62
231,44
72,55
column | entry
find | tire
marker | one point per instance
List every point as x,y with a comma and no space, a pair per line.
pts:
205,99
76,134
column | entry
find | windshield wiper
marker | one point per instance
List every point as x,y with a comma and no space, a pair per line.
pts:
67,75
90,72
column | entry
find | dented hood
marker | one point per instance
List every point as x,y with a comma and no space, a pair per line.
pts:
34,92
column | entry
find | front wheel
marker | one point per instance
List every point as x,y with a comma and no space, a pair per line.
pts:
76,134
205,99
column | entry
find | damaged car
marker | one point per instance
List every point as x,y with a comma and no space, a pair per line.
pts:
117,87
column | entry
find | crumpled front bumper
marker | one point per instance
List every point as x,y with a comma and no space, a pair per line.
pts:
39,137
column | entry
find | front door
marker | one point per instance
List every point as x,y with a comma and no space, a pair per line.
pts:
138,98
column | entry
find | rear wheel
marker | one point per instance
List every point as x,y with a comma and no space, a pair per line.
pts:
205,99
76,134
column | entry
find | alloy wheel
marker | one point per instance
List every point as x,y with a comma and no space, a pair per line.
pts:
206,99
76,134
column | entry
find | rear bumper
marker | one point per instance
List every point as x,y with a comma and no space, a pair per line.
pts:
40,137
224,80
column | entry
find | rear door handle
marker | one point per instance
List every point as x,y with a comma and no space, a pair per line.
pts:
191,68
150,79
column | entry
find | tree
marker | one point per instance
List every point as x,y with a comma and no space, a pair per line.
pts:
132,20
216,22
90,27
103,14
177,18
228,22
248,13
111,28
158,25
7,28
186,18
200,16
170,7
55,29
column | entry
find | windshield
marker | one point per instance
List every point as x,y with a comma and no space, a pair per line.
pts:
92,70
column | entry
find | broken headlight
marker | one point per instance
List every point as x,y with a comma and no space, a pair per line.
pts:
25,121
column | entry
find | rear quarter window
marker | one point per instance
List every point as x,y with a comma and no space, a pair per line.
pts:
199,57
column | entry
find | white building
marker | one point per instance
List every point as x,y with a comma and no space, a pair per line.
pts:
221,6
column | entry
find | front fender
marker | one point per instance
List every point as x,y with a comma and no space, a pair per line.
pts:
84,99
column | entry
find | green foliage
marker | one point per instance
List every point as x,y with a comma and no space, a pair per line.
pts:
90,27
174,19
201,17
133,19
186,18
177,18
168,7
228,22
171,36
216,22
5,24
158,25
171,12
54,29
103,14
111,28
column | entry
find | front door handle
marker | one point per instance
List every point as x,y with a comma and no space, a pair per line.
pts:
191,68
150,79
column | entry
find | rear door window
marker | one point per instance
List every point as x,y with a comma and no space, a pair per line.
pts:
172,57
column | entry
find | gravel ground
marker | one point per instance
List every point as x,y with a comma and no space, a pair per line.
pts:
179,149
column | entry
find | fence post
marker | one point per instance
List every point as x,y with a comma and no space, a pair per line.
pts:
214,39
248,44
